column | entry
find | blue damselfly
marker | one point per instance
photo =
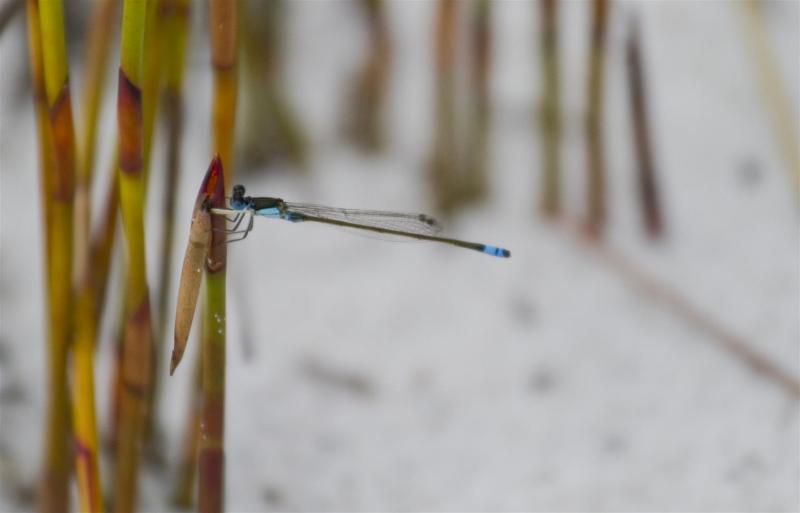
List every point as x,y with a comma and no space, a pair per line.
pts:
413,226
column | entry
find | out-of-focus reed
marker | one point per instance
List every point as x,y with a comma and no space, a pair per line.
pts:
475,181
175,14
85,320
595,160
363,119
550,110
443,163
137,346
649,198
271,129
49,78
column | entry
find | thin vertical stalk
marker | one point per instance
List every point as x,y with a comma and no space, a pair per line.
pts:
476,181
103,243
223,28
596,174
56,190
443,166
646,175
211,451
85,322
187,466
779,102
152,64
364,118
271,128
101,31
211,456
176,15
54,51
550,111
136,351
154,47
7,12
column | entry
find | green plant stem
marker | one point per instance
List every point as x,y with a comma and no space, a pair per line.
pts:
175,14
475,183
137,347
550,111
54,481
444,160
596,175
211,457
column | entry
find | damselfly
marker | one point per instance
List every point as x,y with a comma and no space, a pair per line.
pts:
414,226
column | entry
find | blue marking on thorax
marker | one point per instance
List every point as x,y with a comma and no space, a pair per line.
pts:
239,205
275,213
271,212
495,251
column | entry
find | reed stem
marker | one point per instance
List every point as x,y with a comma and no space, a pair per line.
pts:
101,31
211,450
51,16
137,350
779,102
550,111
187,466
56,188
211,457
475,183
271,128
596,174
176,15
648,185
444,162
364,118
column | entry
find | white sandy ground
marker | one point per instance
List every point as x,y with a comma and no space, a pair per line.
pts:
543,382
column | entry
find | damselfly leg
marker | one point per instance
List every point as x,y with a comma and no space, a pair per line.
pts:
235,231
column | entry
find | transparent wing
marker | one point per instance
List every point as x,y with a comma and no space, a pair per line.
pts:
422,224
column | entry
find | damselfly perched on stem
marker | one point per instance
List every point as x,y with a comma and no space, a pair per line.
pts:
414,226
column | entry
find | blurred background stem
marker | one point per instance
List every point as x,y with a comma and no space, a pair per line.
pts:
779,103
595,160
649,199
363,119
176,16
550,110
182,493
62,130
136,351
271,129
475,182
444,159
57,190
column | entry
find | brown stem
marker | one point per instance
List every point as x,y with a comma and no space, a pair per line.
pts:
648,185
550,111
596,174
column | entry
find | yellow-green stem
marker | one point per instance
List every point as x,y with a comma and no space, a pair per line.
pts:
101,30
137,350
62,139
211,457
550,111
54,481
174,16
596,174
444,160
475,184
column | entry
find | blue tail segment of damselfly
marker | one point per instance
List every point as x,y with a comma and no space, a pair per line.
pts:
413,226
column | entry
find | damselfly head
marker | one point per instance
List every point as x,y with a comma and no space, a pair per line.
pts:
238,192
